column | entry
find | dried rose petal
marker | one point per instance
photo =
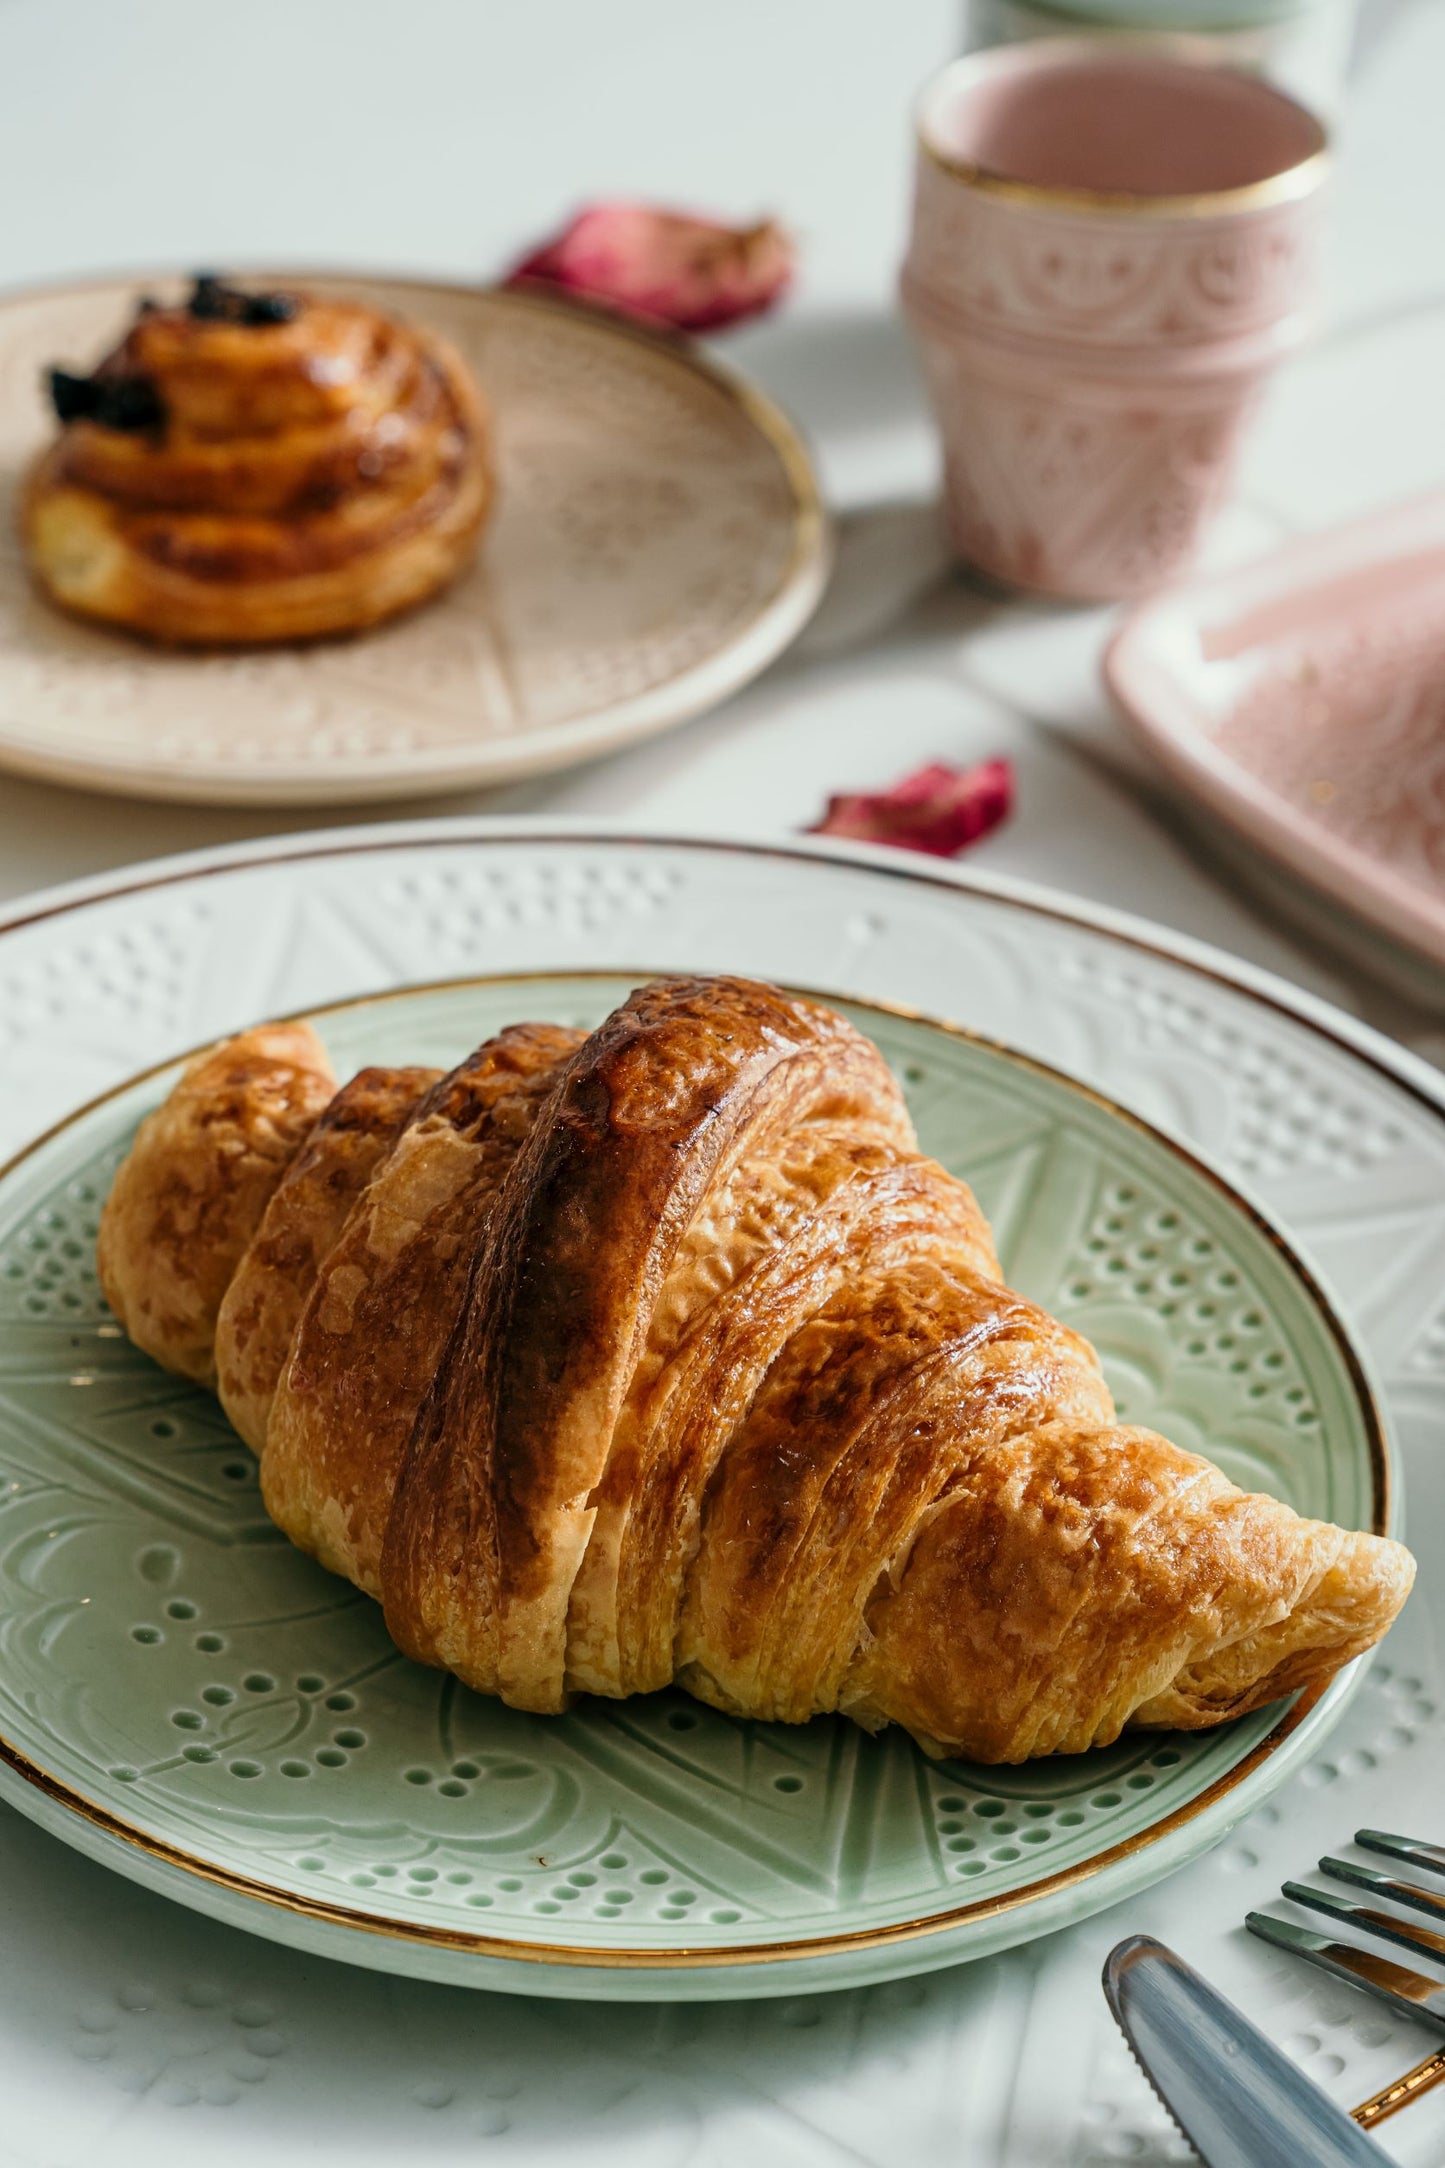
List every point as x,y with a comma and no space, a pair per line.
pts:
664,266
936,809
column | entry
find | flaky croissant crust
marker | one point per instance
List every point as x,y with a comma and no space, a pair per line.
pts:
307,476
662,1355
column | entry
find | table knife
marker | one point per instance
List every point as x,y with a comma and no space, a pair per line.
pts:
1237,2099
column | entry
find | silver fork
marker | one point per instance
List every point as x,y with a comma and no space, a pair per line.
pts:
1411,1994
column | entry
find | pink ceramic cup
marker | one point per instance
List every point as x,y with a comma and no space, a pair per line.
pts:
1113,243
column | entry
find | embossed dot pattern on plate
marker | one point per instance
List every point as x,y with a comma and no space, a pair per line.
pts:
171,1656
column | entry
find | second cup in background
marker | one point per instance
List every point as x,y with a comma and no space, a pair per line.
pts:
1301,46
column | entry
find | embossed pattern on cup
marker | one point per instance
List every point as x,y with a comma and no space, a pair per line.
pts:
1112,246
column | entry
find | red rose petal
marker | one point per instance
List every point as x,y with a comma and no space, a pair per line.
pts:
663,266
937,809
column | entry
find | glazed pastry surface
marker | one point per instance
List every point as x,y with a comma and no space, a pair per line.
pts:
257,468
662,1355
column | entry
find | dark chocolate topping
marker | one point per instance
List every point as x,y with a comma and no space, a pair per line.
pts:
116,402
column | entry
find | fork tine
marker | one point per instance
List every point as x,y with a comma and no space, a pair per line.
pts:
1420,1940
1385,1885
1411,1993
1407,1849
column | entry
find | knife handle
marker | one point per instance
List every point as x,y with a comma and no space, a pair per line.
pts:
1391,2098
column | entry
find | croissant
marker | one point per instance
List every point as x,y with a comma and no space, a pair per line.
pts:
259,467
662,1355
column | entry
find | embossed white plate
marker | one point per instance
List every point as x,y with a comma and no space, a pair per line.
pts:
137,2028
190,1697
658,539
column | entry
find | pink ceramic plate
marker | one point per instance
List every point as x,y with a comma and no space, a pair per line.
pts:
1302,698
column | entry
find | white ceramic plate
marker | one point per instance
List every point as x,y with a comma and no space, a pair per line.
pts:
658,539
112,2000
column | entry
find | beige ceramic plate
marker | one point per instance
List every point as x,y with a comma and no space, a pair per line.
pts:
659,539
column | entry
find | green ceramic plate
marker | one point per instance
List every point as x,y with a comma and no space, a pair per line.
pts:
185,1696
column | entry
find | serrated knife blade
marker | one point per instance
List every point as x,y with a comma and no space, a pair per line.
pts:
1237,2099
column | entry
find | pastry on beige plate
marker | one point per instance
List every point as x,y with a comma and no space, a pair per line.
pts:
254,467
662,1355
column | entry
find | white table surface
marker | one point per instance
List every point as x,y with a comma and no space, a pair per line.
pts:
442,135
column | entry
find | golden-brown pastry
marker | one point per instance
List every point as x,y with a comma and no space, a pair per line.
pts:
308,1208
259,467
192,1190
378,1317
663,1355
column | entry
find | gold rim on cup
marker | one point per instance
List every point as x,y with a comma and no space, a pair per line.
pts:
1294,182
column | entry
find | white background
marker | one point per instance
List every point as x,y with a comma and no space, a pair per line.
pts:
444,135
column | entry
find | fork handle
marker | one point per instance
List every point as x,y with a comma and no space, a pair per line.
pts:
1422,2079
